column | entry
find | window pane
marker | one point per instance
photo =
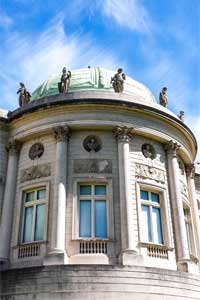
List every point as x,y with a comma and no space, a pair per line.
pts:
155,197
100,219
41,194
144,195
85,218
146,225
85,189
30,196
156,219
39,222
28,221
100,190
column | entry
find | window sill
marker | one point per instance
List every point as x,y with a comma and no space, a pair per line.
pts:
161,246
92,240
30,243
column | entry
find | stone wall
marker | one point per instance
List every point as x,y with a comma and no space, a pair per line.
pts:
3,160
98,283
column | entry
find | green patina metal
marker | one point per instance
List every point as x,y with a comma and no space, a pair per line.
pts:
91,79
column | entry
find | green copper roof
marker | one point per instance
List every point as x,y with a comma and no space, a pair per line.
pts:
91,79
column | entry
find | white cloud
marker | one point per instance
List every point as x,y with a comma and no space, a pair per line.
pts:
128,13
32,59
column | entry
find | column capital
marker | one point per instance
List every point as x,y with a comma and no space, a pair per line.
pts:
123,133
171,147
13,147
190,169
62,133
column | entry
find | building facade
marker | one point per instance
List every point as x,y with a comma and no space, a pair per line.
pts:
98,195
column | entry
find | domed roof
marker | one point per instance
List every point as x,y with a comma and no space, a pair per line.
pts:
92,79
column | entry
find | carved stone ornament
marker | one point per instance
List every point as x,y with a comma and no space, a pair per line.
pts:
148,151
62,133
13,147
35,172
172,147
36,151
92,166
118,81
190,170
92,143
147,172
184,189
123,133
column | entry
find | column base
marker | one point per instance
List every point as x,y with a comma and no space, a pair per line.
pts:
130,257
56,257
186,265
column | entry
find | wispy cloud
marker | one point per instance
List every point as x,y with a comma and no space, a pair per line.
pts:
33,59
128,13
5,20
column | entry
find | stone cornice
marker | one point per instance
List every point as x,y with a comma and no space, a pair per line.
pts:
123,133
62,133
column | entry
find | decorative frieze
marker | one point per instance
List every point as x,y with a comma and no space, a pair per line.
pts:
148,172
35,172
62,133
92,166
13,147
123,133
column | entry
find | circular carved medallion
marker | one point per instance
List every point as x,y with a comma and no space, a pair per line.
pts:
92,143
36,151
148,151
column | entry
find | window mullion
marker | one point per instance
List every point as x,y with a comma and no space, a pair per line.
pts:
33,225
93,217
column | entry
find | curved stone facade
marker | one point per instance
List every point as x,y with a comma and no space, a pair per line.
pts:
103,180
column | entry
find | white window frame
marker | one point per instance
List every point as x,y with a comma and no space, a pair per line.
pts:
24,191
164,213
109,205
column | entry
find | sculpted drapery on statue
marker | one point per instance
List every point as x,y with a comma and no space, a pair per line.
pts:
24,95
163,97
118,81
64,83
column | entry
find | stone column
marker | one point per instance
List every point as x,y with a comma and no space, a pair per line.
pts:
124,135
180,236
58,252
8,201
194,207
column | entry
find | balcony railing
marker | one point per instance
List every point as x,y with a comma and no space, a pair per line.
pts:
93,247
157,251
29,250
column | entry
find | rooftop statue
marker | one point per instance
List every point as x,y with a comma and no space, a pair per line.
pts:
163,97
64,83
24,95
181,115
118,81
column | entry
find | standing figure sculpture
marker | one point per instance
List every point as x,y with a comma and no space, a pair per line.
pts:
181,115
64,83
118,81
24,95
163,97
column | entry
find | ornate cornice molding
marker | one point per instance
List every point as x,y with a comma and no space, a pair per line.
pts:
172,147
123,133
190,170
13,147
62,133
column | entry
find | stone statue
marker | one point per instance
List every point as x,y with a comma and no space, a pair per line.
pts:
64,83
163,97
24,95
181,115
118,81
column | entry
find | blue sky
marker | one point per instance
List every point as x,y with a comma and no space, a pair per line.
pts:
156,42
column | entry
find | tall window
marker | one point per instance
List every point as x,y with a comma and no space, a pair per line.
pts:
189,231
34,215
151,227
93,211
